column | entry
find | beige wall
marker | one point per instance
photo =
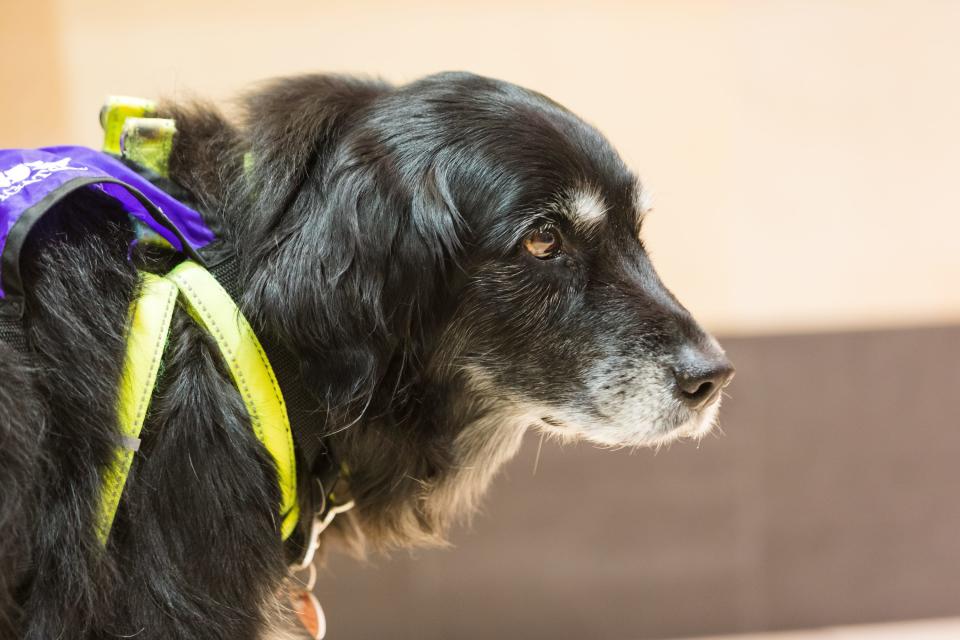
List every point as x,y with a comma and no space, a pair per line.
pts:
32,91
804,154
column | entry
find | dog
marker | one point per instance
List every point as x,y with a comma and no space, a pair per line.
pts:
452,262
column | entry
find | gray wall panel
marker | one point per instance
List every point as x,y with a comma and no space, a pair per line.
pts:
830,498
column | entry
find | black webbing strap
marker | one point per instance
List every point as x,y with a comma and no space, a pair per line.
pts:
11,325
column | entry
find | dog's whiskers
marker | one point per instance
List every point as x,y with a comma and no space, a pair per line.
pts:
536,460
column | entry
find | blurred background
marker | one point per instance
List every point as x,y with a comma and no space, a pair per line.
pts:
803,158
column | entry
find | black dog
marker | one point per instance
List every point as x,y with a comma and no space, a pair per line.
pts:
452,262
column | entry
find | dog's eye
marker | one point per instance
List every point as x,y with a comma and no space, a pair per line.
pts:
543,243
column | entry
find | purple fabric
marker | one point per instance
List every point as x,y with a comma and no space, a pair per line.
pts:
28,175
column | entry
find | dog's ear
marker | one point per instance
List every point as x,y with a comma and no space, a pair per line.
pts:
291,126
349,236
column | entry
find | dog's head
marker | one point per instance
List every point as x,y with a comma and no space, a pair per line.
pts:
561,311
464,236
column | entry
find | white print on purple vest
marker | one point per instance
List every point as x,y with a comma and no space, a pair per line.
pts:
14,179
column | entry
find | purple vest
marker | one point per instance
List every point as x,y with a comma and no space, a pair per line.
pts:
33,180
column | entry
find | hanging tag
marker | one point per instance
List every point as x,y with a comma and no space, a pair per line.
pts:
309,612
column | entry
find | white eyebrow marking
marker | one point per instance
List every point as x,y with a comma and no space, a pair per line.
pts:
586,208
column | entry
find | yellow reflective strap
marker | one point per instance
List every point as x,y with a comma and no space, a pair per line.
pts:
148,142
150,316
211,306
114,113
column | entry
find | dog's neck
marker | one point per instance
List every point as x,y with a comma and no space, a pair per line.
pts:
416,463
415,473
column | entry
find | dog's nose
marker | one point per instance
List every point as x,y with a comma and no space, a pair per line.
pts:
701,376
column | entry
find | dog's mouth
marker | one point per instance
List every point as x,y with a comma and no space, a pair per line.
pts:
701,422
688,424
607,430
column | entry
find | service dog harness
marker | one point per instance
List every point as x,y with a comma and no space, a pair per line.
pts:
136,149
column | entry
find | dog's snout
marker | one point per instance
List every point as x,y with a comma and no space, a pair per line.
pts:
701,376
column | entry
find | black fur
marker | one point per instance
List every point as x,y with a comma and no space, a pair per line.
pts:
380,231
